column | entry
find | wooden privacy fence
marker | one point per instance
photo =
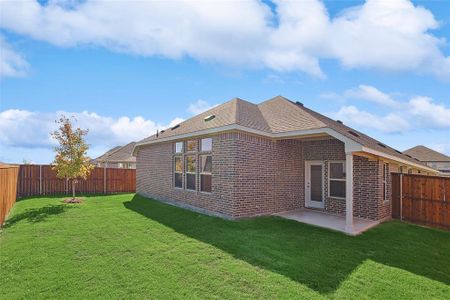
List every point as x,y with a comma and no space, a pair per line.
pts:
41,180
8,189
421,199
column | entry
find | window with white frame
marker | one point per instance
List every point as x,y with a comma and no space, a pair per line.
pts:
206,145
178,171
191,169
336,179
179,147
385,178
205,173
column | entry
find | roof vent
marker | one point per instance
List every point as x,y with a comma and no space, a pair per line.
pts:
339,121
162,131
175,127
381,145
353,133
209,118
298,103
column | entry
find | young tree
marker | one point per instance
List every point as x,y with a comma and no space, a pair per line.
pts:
71,161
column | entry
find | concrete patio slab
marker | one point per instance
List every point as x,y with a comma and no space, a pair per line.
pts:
321,219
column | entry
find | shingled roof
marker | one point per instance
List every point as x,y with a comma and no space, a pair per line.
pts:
119,154
274,117
107,153
425,154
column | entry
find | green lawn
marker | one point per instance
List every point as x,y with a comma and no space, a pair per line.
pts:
126,246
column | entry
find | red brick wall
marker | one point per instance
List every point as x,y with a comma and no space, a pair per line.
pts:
250,176
253,176
155,176
269,176
368,201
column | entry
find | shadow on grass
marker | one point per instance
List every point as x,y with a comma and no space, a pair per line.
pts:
35,215
319,258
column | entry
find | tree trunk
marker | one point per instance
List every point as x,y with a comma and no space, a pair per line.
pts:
73,188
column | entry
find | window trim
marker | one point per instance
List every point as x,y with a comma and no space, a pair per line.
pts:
200,145
194,173
175,147
385,182
336,179
204,173
178,172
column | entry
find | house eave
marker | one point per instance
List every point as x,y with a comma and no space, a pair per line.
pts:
399,160
350,145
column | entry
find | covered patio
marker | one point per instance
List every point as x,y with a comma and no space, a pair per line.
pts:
322,219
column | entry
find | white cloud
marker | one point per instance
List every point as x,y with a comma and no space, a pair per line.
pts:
429,113
370,93
26,129
199,106
390,123
385,35
418,112
443,148
389,35
12,64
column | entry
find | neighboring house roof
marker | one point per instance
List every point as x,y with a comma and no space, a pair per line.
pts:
107,153
277,118
118,154
425,154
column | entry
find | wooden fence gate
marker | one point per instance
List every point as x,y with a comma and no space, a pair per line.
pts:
421,199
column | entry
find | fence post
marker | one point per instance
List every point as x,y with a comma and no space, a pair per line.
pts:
401,196
104,178
40,179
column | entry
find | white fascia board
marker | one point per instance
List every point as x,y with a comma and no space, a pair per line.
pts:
350,145
400,160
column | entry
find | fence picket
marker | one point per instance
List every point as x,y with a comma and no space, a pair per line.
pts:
8,189
424,200
35,180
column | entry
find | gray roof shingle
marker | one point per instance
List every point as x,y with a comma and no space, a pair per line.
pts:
119,154
425,154
276,115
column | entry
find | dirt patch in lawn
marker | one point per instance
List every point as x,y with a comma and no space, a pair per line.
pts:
73,200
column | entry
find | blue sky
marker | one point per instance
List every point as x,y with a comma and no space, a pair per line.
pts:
383,69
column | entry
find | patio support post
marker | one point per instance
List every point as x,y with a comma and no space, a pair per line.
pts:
349,192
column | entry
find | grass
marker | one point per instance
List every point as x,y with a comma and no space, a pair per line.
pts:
127,246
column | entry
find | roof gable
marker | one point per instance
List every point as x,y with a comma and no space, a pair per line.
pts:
124,154
107,153
119,154
425,154
282,115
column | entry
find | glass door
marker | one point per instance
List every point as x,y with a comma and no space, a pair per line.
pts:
314,184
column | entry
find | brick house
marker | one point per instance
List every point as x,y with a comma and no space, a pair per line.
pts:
240,159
